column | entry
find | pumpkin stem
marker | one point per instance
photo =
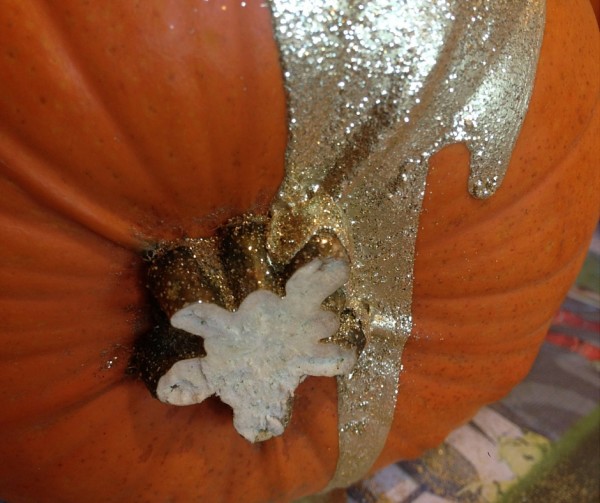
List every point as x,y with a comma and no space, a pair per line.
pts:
223,271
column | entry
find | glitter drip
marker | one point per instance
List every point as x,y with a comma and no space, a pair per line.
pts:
374,90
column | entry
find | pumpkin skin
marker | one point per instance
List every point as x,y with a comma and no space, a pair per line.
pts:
112,138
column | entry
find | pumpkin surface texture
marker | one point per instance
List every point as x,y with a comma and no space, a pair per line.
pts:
125,124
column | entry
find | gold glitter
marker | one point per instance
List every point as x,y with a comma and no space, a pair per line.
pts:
374,90
181,273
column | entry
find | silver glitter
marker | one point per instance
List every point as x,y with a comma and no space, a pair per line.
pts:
374,90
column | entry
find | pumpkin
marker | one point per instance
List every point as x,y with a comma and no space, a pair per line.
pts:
126,125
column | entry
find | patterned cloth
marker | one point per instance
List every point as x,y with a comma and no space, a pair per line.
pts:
547,428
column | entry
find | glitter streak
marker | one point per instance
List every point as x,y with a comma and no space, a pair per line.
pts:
375,89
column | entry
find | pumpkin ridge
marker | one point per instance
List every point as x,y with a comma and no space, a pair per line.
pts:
92,88
460,382
479,353
42,284
75,59
487,219
110,178
64,201
421,330
48,416
6,356
572,263
586,127
479,347
112,114
57,199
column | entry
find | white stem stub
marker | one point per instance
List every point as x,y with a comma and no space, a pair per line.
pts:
258,355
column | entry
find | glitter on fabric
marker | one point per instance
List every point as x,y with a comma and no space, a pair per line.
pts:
374,90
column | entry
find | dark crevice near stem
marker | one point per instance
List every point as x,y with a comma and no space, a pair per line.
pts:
156,351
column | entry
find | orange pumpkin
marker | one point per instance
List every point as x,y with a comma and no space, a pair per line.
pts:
130,124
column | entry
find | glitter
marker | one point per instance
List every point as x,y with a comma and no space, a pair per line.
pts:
463,69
